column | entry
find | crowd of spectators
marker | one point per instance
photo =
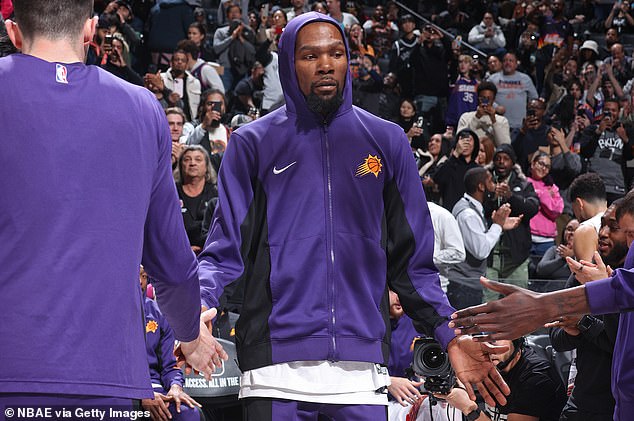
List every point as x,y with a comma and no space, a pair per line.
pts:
505,104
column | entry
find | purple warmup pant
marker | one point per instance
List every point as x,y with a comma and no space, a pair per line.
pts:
263,409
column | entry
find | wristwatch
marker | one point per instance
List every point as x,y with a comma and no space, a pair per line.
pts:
585,323
474,415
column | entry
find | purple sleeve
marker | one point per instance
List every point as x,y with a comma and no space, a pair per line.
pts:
612,295
167,256
170,374
221,260
411,270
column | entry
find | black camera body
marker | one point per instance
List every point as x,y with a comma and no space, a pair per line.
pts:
432,363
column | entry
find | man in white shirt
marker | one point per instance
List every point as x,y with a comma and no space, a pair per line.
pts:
448,244
464,288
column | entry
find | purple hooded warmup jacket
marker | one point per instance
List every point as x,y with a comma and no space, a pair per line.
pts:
317,216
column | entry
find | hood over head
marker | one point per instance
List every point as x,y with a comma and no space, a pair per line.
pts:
295,99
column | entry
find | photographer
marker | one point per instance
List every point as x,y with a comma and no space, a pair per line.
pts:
537,391
603,146
116,51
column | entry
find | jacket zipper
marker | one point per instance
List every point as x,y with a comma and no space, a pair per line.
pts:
331,251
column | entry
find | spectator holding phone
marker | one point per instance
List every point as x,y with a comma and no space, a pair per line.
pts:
533,133
604,146
484,120
209,131
117,61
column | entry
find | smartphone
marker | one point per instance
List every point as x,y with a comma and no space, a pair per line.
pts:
607,114
581,112
530,112
484,101
216,106
419,122
107,42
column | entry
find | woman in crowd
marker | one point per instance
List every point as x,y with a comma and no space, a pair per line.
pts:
198,34
428,161
543,226
409,122
319,7
271,27
485,152
553,264
357,42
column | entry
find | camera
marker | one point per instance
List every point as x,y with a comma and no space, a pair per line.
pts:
432,363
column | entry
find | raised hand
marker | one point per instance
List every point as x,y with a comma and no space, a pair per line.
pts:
472,364
204,354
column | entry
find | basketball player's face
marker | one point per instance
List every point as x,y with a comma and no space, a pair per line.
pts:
320,60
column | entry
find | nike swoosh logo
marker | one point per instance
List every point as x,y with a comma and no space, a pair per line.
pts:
281,170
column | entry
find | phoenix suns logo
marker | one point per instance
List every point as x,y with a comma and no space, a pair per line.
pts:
151,326
370,165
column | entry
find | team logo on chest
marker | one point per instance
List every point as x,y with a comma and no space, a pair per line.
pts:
60,73
151,326
370,165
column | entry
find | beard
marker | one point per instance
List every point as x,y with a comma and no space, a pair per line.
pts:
324,106
615,256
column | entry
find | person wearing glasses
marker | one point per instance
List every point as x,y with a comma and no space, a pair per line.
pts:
543,226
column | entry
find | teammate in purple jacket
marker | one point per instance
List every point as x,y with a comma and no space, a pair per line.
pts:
87,195
320,210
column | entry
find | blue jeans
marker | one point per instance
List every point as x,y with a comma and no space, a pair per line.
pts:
538,249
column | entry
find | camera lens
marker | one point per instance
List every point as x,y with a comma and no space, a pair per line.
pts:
434,358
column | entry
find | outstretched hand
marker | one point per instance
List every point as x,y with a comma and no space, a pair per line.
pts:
520,312
204,354
472,364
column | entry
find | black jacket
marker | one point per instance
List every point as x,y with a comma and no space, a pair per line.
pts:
592,393
515,244
450,175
